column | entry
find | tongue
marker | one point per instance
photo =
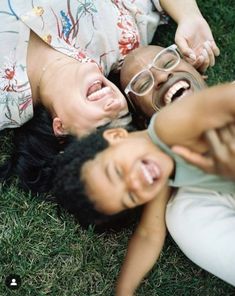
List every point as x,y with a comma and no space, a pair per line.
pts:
100,94
95,86
151,171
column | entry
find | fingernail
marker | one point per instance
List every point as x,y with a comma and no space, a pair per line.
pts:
204,52
201,58
192,56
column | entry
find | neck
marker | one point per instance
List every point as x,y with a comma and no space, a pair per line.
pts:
140,134
42,61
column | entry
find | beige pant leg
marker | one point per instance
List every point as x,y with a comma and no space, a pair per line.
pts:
202,223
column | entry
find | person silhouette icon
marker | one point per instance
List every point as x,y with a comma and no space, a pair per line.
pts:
13,282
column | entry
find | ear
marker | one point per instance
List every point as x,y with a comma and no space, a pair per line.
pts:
115,135
58,127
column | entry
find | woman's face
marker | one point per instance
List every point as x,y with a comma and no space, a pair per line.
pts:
129,173
90,99
168,86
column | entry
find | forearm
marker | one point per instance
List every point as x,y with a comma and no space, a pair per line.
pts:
185,122
179,9
141,256
145,245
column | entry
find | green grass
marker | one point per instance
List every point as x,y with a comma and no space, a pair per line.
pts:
55,257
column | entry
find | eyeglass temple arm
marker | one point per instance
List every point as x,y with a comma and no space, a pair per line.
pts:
127,91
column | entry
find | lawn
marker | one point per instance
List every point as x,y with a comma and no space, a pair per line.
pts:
53,256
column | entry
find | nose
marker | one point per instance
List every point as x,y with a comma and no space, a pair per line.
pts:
112,105
132,184
160,77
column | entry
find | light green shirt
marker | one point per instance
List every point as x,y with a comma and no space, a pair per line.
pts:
189,175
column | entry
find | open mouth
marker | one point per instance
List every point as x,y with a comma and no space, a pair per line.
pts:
176,91
98,91
150,170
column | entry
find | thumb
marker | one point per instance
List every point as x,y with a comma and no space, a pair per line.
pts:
194,158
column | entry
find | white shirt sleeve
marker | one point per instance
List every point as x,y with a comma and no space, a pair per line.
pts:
157,5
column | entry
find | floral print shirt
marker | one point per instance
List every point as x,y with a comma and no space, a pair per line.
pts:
101,31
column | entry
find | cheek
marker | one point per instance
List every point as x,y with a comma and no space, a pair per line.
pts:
148,104
145,105
108,208
93,111
191,70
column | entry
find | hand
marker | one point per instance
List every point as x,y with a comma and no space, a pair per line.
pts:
202,161
222,155
195,41
222,143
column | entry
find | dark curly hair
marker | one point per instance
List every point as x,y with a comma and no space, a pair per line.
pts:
39,164
69,188
34,149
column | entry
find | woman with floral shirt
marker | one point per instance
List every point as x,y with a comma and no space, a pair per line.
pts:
58,53
101,32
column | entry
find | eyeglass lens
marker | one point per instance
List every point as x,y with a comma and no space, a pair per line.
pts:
144,81
166,60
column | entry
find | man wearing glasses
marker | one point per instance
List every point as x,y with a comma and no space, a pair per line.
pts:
153,77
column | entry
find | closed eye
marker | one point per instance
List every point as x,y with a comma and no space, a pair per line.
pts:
130,195
118,172
169,64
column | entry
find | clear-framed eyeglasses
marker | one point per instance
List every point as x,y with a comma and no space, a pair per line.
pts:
143,81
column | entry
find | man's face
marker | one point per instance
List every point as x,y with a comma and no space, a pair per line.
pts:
168,86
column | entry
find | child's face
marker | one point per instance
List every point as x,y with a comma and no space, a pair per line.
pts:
129,173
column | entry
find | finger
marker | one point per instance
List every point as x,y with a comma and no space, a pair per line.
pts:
186,51
214,141
203,67
225,135
215,48
205,77
210,53
220,151
199,63
232,129
191,62
206,62
227,139
203,162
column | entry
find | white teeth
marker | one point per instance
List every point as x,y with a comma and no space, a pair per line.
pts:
96,85
150,171
147,174
172,91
